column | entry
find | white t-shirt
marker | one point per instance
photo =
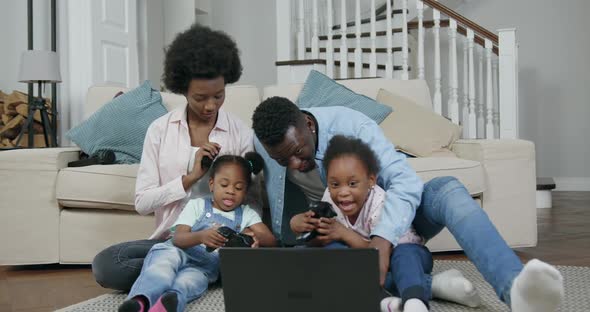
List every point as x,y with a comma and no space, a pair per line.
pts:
195,208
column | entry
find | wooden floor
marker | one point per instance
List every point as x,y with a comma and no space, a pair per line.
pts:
564,239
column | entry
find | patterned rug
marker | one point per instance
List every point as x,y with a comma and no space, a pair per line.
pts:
577,293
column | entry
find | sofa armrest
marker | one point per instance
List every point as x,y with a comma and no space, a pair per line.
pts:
29,212
509,199
38,159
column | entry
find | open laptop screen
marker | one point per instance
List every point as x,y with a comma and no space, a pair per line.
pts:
300,279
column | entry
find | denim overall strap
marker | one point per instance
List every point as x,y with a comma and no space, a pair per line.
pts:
209,218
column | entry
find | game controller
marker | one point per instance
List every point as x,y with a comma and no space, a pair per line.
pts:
206,162
321,209
234,239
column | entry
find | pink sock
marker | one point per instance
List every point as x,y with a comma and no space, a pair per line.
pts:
167,303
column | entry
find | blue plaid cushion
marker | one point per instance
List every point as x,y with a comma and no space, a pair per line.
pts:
120,125
319,90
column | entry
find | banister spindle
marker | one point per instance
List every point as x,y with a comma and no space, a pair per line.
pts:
315,50
373,56
496,109
389,36
420,9
472,123
465,102
329,42
300,32
358,61
481,98
453,104
437,98
343,46
405,67
489,91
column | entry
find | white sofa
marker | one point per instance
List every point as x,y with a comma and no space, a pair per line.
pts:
54,214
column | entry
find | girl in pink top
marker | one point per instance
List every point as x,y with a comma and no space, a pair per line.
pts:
351,168
199,64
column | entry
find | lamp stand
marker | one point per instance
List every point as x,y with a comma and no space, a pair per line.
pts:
38,104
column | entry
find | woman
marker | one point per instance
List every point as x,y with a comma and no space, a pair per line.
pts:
199,64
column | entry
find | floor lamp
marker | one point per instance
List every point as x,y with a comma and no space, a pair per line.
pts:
39,67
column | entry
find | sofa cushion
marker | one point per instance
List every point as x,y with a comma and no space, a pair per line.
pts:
320,91
98,186
83,233
120,125
469,172
415,129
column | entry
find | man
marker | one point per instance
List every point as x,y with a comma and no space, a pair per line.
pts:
293,142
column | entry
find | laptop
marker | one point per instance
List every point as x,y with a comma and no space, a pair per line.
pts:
300,279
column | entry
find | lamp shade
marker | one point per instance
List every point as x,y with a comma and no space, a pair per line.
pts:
39,66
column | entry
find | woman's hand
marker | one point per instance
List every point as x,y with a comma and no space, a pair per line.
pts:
330,230
304,222
209,149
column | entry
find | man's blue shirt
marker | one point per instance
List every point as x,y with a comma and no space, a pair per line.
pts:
396,177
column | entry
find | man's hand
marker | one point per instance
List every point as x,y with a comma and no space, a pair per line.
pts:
211,238
330,230
304,222
384,247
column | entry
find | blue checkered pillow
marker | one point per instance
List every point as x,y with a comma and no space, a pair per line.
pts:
120,125
319,90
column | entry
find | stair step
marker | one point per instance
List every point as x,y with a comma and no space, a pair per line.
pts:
365,50
336,63
545,184
367,65
368,19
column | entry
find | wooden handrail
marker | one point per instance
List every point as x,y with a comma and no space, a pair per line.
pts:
463,20
460,29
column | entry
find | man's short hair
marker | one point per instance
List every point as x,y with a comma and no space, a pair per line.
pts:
273,117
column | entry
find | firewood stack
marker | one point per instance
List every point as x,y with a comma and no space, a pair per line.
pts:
14,111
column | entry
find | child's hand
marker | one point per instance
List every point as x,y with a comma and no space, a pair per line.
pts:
250,233
330,230
211,238
304,222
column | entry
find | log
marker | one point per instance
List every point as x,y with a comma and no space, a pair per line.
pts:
14,99
38,141
13,123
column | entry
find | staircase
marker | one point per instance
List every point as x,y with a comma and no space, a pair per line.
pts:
473,81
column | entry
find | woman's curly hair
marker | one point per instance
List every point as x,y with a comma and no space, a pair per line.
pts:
200,53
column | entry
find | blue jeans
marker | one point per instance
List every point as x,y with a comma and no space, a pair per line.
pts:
446,202
170,269
409,273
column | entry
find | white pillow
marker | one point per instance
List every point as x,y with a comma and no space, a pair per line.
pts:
414,129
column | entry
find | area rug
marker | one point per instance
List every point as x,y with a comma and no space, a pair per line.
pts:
577,293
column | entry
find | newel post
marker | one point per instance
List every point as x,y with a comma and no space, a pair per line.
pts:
508,83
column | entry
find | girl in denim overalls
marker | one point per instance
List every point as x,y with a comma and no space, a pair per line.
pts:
179,270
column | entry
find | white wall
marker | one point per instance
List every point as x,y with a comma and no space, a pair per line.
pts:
252,24
13,30
554,95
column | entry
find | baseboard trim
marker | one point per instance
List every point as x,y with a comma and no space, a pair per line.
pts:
572,184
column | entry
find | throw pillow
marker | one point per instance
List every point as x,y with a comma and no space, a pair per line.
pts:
320,90
414,129
120,125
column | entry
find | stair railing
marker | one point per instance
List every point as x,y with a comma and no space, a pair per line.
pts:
485,105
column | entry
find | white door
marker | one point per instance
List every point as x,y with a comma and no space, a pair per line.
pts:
114,42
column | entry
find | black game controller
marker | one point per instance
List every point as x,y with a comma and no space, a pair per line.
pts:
321,209
206,162
234,239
